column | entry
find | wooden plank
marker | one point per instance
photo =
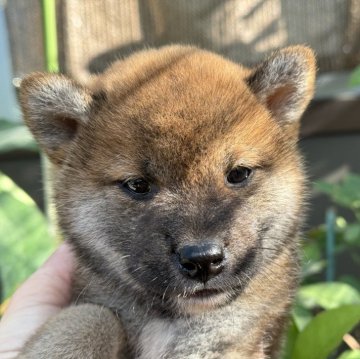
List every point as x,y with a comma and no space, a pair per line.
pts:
94,33
88,29
25,32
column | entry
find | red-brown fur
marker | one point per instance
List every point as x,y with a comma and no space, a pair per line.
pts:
182,118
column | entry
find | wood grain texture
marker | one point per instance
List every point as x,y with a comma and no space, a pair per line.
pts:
25,34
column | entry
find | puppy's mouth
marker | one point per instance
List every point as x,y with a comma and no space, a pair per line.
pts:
202,300
204,293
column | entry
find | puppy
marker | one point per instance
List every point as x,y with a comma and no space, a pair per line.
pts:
179,185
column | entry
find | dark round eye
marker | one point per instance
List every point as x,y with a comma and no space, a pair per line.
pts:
238,175
138,186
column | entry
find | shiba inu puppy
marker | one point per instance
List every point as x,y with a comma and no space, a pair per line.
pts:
179,186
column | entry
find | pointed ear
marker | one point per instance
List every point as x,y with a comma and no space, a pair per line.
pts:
54,107
284,83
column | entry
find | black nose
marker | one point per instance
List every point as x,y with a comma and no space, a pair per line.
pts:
201,262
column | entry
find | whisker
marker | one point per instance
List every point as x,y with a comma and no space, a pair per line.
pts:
267,248
163,296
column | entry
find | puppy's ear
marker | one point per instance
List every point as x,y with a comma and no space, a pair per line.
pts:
54,108
284,83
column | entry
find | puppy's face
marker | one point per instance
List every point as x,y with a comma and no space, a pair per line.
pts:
177,171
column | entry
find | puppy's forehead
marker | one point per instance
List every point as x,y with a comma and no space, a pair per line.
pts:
172,79
124,78
174,106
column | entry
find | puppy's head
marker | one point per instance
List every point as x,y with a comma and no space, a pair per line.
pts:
177,171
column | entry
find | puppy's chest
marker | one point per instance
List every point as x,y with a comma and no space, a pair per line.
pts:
212,336
157,338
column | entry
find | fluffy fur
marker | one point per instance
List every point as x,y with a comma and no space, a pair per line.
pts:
181,118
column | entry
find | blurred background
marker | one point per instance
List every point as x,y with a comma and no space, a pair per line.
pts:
80,38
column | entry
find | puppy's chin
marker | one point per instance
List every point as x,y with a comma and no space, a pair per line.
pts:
202,302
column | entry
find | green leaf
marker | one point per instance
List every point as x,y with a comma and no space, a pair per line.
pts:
313,261
346,194
328,295
351,280
351,187
25,241
291,336
5,124
15,137
325,187
324,333
310,268
301,317
354,79
311,249
350,354
352,233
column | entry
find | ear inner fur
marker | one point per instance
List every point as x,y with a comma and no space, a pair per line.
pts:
284,82
54,107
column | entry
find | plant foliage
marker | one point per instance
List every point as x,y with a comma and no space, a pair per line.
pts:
325,312
25,240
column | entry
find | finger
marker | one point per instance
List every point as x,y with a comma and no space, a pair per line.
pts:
40,297
49,285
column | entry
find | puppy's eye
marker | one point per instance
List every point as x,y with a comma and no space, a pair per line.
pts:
238,175
138,186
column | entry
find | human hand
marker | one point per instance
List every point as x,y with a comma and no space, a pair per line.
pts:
40,297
